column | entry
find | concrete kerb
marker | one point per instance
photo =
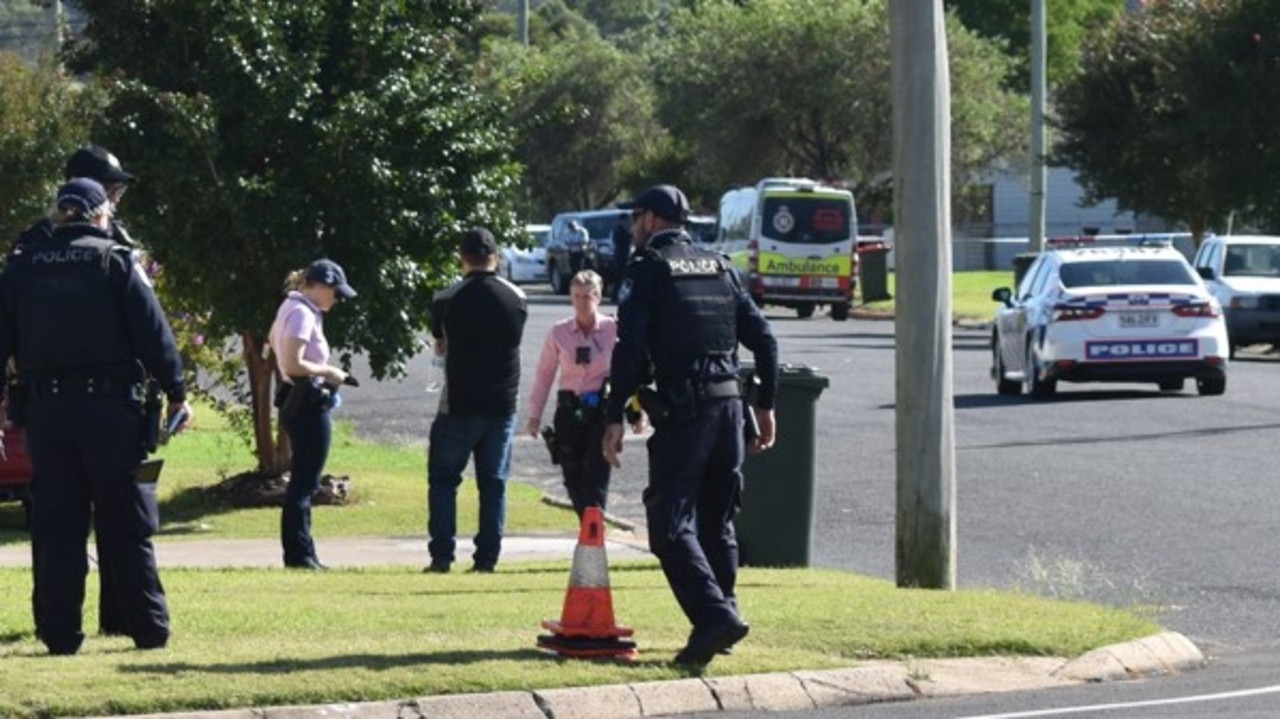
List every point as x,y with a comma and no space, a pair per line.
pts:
868,683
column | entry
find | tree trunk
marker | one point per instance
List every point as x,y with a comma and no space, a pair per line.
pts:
1198,225
273,450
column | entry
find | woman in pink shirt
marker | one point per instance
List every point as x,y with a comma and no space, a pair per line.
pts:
580,348
302,357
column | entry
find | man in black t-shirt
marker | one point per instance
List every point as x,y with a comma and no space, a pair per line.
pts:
477,324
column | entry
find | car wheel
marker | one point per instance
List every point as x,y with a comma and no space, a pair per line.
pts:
840,311
1210,386
1006,387
804,311
1172,385
1035,385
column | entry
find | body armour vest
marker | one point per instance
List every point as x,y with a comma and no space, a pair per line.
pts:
696,310
67,309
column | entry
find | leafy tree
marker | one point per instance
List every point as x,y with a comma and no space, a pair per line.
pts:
268,133
767,90
1235,60
1070,27
1131,124
613,17
44,117
583,116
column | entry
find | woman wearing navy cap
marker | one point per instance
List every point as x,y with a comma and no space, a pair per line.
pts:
306,395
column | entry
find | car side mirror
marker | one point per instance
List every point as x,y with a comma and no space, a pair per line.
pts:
1206,273
1003,295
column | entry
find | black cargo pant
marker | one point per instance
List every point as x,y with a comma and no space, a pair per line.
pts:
85,452
694,492
579,438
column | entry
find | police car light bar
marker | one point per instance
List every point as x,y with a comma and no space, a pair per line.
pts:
1157,239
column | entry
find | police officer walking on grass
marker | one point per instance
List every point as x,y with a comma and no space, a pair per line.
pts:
84,325
682,312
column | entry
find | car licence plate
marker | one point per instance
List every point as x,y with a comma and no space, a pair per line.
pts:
1132,320
774,281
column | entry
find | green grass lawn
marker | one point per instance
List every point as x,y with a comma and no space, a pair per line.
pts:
275,637
970,294
389,489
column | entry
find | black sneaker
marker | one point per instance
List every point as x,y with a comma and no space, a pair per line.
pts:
479,568
437,566
706,642
148,642
310,563
63,647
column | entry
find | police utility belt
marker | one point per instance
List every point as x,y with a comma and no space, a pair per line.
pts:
585,401
680,399
46,387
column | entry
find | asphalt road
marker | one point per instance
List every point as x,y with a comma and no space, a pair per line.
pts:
1111,493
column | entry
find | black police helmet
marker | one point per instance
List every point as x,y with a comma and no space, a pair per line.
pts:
96,163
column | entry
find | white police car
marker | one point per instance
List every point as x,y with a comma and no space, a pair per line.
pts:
1108,314
526,264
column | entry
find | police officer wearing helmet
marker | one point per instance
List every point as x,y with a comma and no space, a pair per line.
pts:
97,164
84,326
682,312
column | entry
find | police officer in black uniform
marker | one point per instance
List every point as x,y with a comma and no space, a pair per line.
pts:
682,312
84,326
99,164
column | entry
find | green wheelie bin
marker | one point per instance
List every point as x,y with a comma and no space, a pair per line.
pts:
873,271
775,525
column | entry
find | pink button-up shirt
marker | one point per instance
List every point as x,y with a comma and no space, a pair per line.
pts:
560,351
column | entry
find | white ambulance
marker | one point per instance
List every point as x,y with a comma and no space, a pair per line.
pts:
794,242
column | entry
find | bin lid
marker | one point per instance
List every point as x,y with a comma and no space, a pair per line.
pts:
791,375
799,375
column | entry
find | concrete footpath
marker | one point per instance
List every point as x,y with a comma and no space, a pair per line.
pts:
866,683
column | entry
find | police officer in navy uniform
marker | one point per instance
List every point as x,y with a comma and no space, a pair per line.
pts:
99,164
84,325
682,312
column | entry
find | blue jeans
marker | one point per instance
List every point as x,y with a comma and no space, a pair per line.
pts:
454,440
311,433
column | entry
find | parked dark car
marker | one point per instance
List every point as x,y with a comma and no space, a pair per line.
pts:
15,468
565,256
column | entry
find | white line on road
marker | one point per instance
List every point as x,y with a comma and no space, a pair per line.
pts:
1133,705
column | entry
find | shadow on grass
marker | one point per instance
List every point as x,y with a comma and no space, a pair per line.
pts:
185,509
13,524
181,514
353,661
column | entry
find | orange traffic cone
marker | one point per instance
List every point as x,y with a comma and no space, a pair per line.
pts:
586,627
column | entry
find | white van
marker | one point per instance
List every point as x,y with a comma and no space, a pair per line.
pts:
794,242
1243,272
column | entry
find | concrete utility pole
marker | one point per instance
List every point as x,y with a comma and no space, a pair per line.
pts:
522,18
53,19
1035,230
925,418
